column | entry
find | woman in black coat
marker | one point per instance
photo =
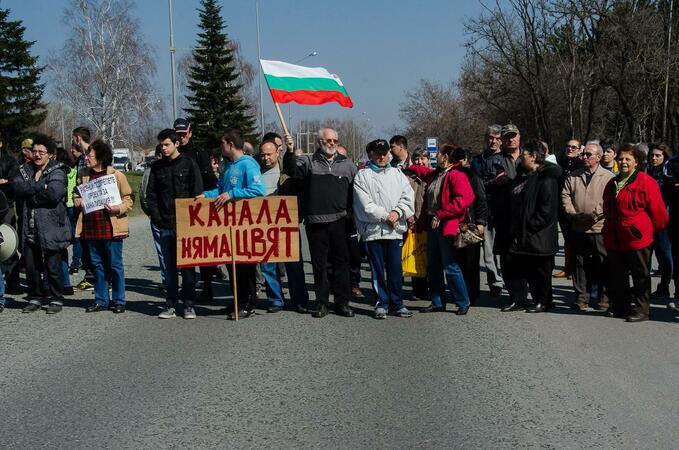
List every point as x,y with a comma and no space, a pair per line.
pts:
469,257
534,205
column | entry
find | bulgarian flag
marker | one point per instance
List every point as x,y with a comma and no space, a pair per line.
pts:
303,85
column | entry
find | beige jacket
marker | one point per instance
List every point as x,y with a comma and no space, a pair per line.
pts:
119,223
584,203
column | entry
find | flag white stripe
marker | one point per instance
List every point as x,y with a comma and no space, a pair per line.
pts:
283,69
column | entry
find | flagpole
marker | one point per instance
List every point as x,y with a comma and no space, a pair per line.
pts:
280,116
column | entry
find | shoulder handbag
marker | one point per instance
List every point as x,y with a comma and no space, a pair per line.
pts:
469,235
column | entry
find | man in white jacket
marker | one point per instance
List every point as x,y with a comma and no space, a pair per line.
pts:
383,201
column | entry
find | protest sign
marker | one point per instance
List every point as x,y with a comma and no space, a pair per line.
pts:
262,229
98,193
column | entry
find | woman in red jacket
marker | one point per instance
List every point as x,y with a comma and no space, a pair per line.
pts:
449,196
633,212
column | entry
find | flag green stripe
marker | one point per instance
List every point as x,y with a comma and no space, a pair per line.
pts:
307,84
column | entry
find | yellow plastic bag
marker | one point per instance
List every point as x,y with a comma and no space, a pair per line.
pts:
414,254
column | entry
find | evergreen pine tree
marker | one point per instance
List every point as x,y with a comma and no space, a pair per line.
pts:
21,106
215,100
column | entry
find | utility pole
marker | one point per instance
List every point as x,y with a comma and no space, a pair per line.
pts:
259,64
174,67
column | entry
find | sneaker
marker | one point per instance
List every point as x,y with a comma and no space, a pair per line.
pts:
54,308
85,285
73,270
380,313
31,307
189,313
674,306
404,312
167,313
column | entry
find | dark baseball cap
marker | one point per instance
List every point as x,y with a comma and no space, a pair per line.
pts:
378,145
182,125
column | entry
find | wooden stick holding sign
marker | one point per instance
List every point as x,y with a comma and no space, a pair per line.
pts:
234,282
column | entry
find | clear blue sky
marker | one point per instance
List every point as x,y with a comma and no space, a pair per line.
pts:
379,48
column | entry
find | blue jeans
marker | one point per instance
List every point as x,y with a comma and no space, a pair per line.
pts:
297,282
107,263
168,245
384,256
76,257
2,287
663,252
272,281
155,231
64,269
441,259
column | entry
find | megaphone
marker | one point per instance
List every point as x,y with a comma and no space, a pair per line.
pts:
9,242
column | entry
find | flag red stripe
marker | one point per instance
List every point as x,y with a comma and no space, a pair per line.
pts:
311,97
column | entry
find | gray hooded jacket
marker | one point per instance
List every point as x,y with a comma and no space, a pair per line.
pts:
47,197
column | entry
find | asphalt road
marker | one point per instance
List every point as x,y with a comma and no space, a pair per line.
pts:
486,380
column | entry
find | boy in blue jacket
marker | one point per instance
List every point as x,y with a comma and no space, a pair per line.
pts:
241,178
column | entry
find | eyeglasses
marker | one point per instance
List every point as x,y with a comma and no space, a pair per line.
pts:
331,141
572,146
39,152
588,154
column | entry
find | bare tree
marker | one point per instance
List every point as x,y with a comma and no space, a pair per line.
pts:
108,81
434,109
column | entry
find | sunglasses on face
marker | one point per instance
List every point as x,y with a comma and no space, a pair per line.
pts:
331,141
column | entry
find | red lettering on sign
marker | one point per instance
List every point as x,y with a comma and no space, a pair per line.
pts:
242,249
197,247
214,216
194,217
210,246
258,240
288,238
283,212
229,213
224,250
264,210
245,213
272,236
186,248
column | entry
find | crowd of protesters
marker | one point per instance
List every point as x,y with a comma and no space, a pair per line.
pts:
436,224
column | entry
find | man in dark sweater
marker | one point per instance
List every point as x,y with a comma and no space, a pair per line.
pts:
328,182
174,176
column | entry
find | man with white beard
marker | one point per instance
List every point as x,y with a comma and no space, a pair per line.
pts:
328,179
